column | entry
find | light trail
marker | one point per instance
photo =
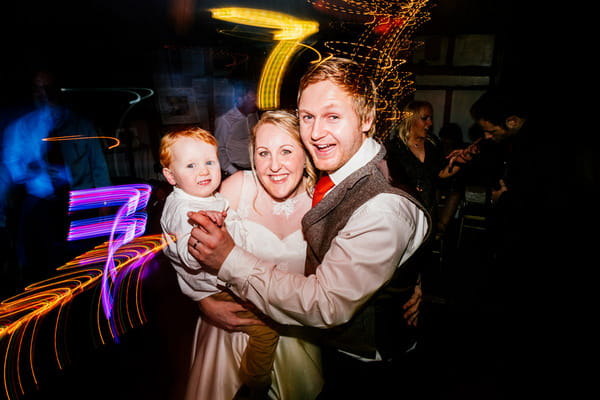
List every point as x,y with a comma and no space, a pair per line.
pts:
115,267
287,30
80,137
382,48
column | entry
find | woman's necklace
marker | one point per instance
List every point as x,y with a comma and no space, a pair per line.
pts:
284,207
418,142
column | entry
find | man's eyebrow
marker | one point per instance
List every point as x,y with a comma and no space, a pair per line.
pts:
326,107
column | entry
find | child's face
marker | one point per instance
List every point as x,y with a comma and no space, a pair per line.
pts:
194,167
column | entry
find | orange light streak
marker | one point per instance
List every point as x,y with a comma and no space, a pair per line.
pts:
79,137
21,314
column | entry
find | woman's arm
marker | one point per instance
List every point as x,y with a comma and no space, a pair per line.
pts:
448,171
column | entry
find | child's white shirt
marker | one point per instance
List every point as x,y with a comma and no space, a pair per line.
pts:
194,282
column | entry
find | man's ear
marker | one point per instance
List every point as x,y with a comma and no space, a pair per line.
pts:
367,123
512,122
169,175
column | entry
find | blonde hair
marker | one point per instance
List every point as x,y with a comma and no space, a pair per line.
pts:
350,77
410,114
165,152
287,122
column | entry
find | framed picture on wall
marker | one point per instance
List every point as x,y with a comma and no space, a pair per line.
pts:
474,50
178,106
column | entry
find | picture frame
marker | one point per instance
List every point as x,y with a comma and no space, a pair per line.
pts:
178,106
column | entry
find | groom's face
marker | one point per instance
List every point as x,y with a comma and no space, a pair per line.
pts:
329,125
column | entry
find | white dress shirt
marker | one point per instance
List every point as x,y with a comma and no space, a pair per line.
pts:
223,126
379,236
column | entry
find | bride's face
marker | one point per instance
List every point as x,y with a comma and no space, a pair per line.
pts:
279,161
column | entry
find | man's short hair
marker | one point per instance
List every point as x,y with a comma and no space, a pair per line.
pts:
496,106
350,77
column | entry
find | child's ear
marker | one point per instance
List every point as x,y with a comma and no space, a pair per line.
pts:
169,175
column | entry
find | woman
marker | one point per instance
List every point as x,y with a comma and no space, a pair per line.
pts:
271,200
415,157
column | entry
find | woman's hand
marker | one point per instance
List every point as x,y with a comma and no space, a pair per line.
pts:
412,306
223,314
463,156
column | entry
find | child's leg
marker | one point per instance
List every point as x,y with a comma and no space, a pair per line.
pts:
257,361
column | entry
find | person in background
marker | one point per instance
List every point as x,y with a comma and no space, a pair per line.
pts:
415,160
415,156
46,164
451,189
269,201
238,142
358,238
232,129
524,186
529,233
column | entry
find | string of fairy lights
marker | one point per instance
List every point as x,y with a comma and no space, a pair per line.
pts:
382,49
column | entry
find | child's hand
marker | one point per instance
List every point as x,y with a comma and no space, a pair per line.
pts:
217,217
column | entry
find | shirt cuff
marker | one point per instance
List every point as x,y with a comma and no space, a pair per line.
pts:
237,268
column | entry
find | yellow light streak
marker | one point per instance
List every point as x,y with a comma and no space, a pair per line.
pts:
288,30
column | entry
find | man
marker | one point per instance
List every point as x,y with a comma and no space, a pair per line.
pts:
527,190
529,232
48,168
232,130
358,237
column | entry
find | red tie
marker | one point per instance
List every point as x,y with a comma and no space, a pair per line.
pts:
323,185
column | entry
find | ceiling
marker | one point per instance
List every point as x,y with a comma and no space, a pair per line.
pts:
115,40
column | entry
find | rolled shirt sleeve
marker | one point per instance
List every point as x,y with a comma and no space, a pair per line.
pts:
380,235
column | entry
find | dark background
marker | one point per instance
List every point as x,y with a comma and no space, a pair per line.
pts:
115,43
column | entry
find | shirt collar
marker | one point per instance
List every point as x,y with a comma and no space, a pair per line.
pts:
365,153
183,194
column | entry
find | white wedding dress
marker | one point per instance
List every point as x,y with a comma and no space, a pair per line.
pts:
272,232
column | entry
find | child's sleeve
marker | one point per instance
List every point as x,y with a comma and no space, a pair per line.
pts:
193,281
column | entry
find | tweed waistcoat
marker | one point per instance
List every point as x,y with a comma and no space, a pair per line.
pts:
320,226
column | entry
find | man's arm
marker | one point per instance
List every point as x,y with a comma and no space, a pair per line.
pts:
362,258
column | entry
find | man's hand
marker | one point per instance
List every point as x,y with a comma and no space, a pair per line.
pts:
411,307
223,314
463,156
209,243
497,193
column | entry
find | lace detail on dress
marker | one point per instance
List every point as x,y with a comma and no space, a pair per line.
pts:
281,218
284,207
